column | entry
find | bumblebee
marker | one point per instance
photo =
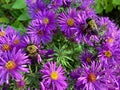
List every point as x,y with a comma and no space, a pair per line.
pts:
31,51
91,26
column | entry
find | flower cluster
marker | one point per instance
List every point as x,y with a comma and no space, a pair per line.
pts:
32,61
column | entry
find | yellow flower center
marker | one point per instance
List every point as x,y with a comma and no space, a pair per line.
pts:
31,49
92,77
88,59
54,75
45,20
70,22
2,33
10,65
16,41
108,53
110,40
6,47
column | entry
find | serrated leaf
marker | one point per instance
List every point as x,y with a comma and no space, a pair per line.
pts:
19,4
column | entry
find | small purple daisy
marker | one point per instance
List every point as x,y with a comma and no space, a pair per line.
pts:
35,6
67,22
53,77
109,55
47,20
42,35
93,77
10,39
5,44
11,64
86,57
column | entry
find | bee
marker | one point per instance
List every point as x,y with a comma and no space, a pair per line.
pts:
91,26
31,51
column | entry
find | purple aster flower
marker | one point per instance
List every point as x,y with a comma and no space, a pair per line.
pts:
93,77
32,48
42,35
14,36
86,57
5,44
110,40
86,6
47,20
67,22
109,55
35,6
11,64
108,31
53,77
55,4
107,26
11,39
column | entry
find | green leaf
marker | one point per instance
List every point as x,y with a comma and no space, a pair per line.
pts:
116,2
7,6
109,8
23,17
19,26
4,20
118,7
7,1
99,8
19,4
